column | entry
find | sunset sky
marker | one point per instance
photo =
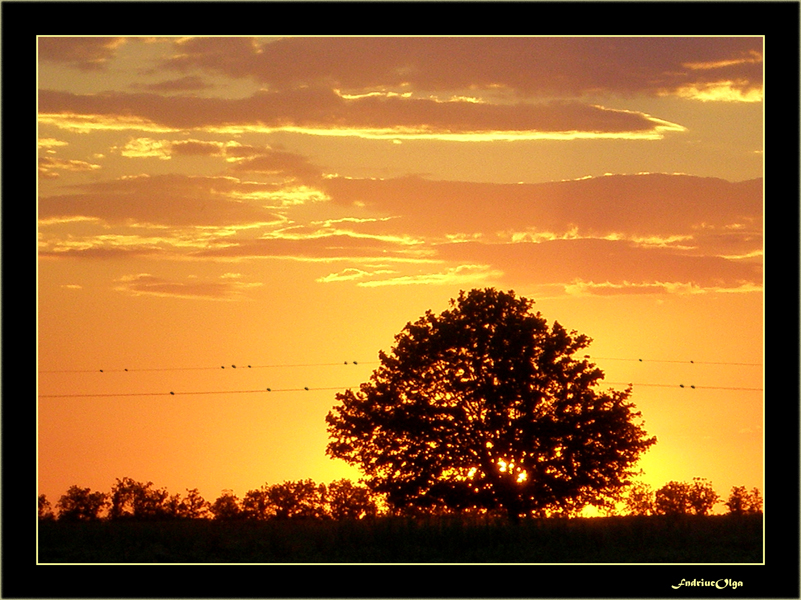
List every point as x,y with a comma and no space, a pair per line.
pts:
287,205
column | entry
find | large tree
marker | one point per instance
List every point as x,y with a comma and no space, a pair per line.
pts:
486,407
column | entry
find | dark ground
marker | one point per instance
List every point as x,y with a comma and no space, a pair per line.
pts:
689,539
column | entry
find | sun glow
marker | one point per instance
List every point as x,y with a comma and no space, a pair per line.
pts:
509,467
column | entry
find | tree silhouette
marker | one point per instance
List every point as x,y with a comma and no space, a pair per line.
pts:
485,406
672,499
256,504
191,507
81,504
701,496
227,507
675,498
296,499
741,502
135,500
45,510
639,500
346,500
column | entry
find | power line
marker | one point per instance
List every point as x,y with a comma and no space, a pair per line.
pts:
230,367
195,393
686,386
317,389
334,364
683,362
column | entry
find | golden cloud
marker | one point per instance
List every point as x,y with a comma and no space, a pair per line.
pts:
49,166
465,275
323,112
622,234
150,285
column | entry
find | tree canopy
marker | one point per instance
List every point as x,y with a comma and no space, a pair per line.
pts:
743,502
485,406
79,504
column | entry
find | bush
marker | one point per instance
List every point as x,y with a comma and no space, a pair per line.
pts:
741,502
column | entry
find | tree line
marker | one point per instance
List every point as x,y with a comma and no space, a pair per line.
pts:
684,498
134,500
342,499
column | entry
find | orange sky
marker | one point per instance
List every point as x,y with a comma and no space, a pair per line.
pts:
290,204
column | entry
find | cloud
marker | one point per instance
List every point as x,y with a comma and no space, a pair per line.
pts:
146,148
323,247
49,166
590,288
84,53
95,240
325,112
649,209
229,55
353,274
92,250
190,83
461,275
241,158
161,200
48,143
621,234
197,148
150,285
250,159
607,266
523,66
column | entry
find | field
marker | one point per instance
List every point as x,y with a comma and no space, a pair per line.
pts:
691,539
